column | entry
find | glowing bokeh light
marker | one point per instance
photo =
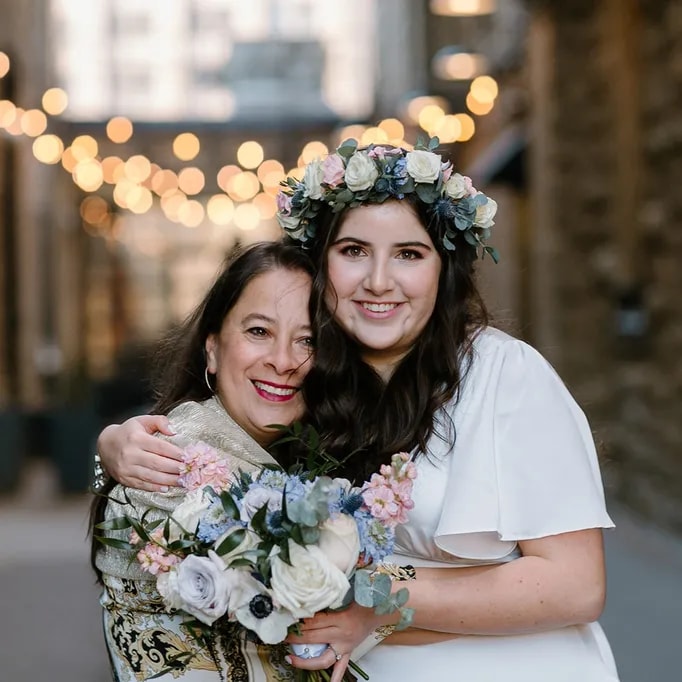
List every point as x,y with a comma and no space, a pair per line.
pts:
220,209
137,168
8,113
94,210
313,150
84,147
250,154
88,175
243,186
33,122
191,213
191,180
266,205
394,129
463,8
164,181
246,217
484,89
478,108
186,146
14,128
48,149
468,127
430,116
225,174
374,135
140,200
448,129
119,129
4,64
55,101
68,160
417,104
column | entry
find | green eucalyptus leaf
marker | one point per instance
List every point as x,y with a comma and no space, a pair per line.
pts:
231,542
119,523
114,542
362,585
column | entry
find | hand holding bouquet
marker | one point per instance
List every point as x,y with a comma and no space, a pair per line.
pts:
269,549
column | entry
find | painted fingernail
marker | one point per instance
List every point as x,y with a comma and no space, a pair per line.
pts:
164,488
288,659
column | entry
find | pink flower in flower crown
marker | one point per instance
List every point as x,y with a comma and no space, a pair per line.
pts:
446,168
403,491
284,203
202,466
333,170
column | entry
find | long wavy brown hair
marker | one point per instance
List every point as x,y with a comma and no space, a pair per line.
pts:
349,403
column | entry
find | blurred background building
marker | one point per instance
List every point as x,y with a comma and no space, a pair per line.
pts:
140,142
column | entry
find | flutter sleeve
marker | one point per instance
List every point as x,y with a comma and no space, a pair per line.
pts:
524,464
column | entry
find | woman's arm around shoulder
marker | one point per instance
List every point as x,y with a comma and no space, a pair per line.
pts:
132,455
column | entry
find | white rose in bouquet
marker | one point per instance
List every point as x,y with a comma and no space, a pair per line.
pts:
257,497
423,166
199,585
310,583
340,542
188,513
361,172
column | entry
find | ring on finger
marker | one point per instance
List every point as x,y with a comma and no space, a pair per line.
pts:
337,655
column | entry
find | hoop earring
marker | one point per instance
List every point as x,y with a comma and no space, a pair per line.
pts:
208,383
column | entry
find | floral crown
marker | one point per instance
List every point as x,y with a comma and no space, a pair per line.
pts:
351,177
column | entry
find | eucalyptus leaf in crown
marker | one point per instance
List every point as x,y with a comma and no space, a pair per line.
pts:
352,177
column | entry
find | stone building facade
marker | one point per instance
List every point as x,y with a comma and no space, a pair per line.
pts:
605,83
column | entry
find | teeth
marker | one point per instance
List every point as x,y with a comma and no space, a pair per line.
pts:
379,307
274,389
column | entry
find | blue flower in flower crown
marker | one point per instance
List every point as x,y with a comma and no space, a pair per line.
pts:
352,177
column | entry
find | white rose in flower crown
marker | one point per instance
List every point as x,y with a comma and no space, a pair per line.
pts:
423,166
458,186
189,512
293,225
199,585
361,172
257,497
340,542
310,583
485,214
312,180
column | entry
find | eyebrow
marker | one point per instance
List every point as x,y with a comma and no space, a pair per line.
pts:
259,317
400,245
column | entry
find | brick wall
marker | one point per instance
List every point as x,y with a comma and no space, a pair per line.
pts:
616,198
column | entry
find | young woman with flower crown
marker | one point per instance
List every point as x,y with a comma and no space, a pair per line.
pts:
505,533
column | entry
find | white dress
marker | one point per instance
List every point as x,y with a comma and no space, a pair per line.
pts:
524,466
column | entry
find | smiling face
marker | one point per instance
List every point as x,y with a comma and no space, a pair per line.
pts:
384,270
263,352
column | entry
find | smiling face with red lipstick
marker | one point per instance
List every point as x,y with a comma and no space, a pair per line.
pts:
263,351
383,272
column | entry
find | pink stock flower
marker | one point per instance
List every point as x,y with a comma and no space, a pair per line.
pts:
382,504
333,170
284,203
202,466
155,559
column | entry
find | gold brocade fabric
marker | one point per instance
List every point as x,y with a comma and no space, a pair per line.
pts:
144,640
192,422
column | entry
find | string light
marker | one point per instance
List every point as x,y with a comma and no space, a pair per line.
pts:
136,180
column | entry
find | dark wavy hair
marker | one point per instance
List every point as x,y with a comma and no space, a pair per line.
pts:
179,364
349,403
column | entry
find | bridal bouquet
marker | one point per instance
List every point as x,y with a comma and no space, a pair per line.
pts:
269,549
